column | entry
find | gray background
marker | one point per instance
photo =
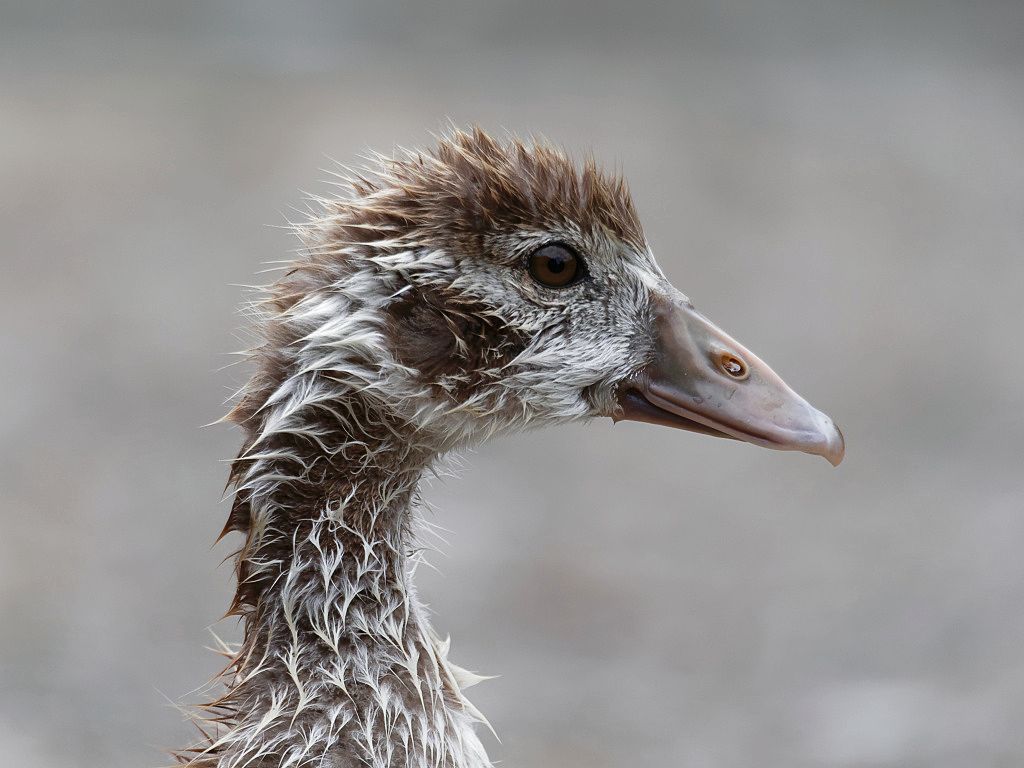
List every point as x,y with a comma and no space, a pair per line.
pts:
840,185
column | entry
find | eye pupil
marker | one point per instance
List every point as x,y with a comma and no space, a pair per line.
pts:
554,266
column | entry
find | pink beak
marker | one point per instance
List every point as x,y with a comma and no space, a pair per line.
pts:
703,380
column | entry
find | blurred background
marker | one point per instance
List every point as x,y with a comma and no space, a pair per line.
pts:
840,185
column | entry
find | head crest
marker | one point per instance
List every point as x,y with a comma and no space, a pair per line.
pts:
474,183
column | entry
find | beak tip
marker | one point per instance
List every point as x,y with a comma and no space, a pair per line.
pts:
835,447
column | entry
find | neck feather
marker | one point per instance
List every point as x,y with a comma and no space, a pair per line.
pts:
338,665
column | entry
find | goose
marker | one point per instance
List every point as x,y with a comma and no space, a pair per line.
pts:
447,296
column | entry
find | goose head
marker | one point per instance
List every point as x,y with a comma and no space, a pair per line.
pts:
501,286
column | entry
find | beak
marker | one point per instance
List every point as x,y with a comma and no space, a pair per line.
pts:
703,380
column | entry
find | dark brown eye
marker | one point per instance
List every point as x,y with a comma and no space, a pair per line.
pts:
554,266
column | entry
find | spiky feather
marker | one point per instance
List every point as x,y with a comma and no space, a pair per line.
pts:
400,334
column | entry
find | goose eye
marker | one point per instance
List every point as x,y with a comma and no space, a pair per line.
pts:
554,266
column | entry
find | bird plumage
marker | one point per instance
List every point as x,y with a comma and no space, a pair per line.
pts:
408,329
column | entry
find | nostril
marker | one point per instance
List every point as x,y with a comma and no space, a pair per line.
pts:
733,366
